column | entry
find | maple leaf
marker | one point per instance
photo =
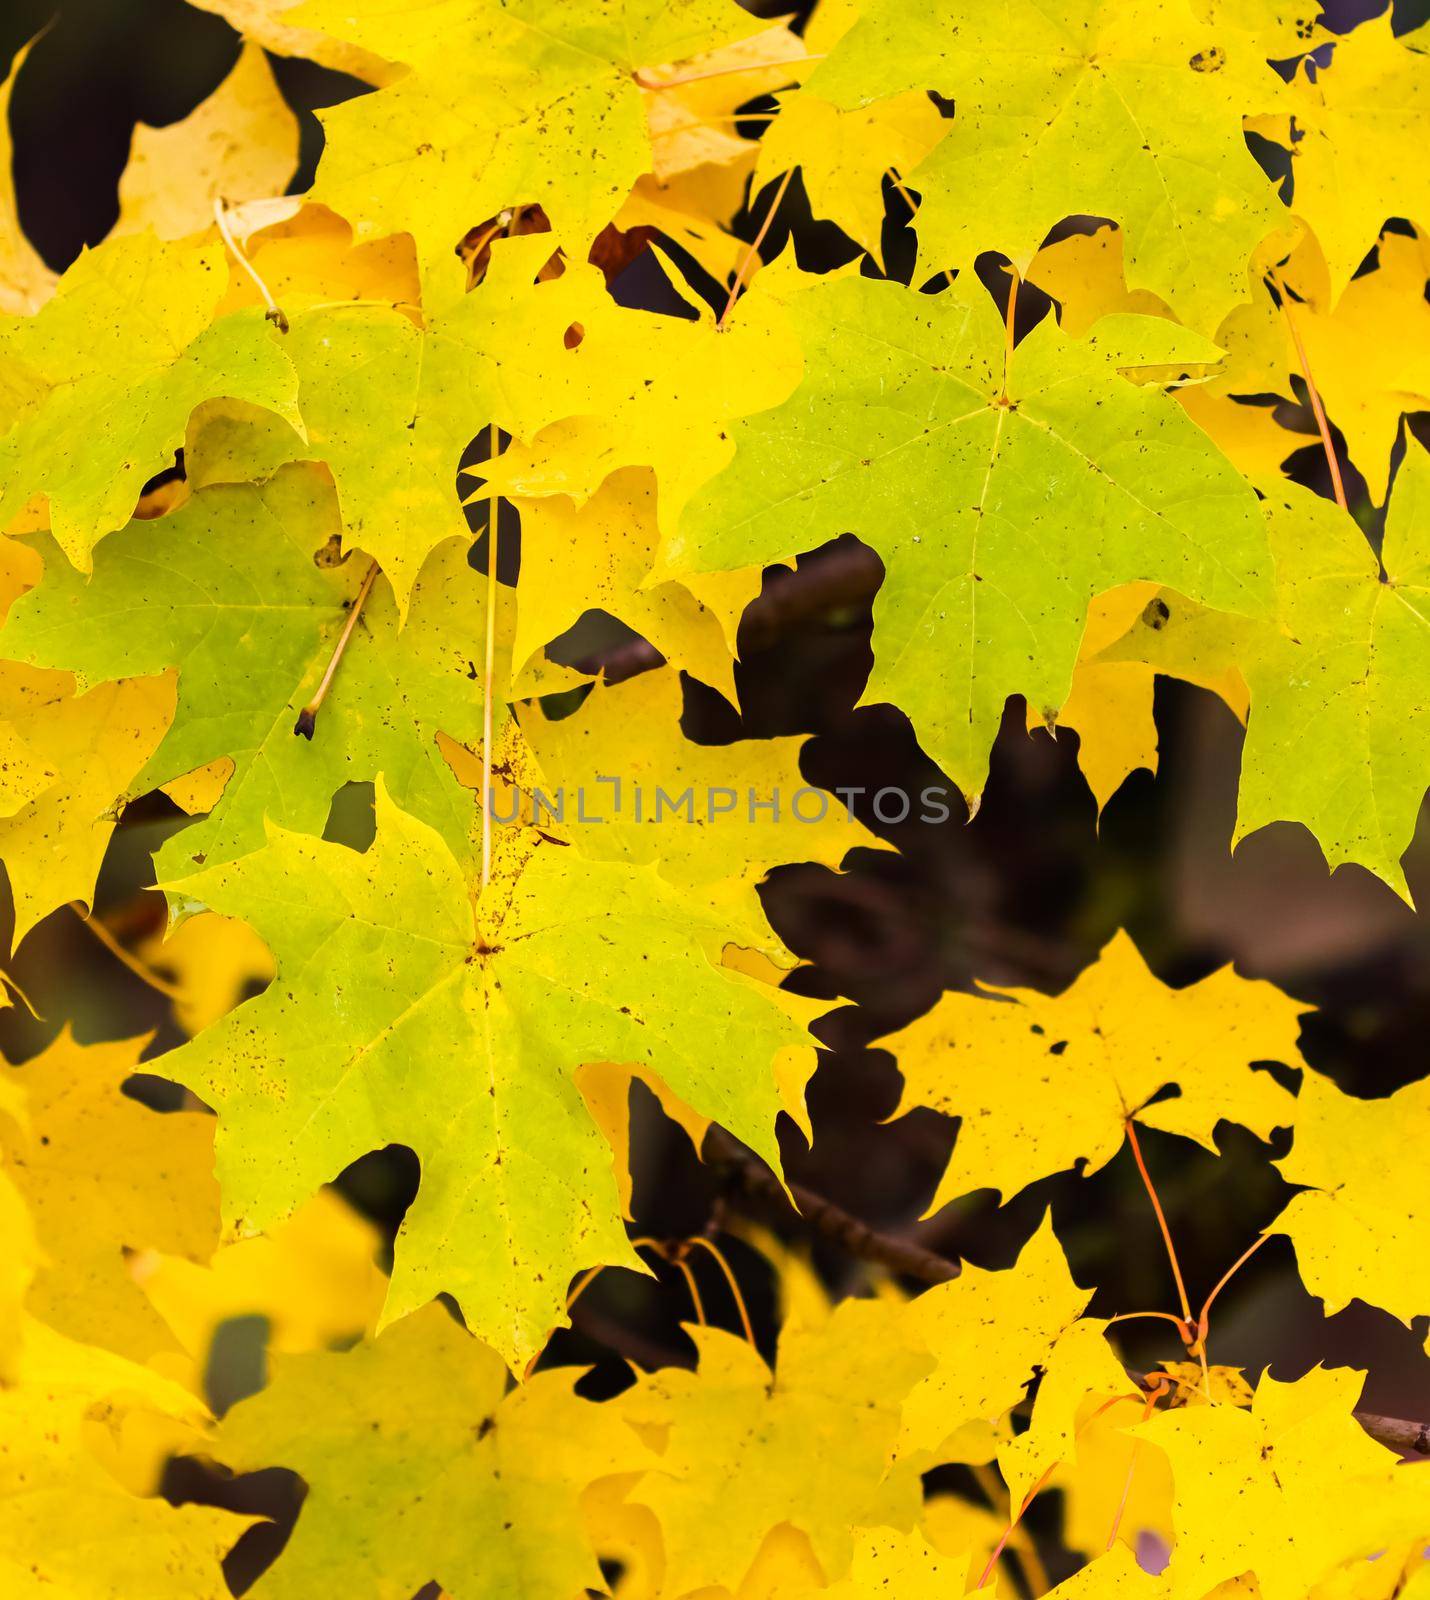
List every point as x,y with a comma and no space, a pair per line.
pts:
1043,1082
210,963
808,1445
1126,109
506,104
103,378
269,23
987,1331
1354,164
998,519
1371,356
461,1043
421,1463
240,144
82,1154
1345,654
67,1525
1360,1225
78,757
903,1564
597,556
227,590
1079,1367
314,1280
745,790
26,282
657,391
1252,1487
843,153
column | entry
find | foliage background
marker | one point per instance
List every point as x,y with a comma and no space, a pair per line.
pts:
1026,893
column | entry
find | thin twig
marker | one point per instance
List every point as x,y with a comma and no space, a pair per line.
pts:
751,1176
308,716
753,252
274,313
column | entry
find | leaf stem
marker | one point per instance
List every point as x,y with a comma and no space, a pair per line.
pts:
1148,1407
120,954
721,72
308,716
1009,320
274,313
1317,409
1226,1277
1161,1221
489,676
753,252
724,1265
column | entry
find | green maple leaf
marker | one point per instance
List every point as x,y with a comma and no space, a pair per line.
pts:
227,590
1126,109
1339,732
509,102
407,1010
423,1463
998,519
99,384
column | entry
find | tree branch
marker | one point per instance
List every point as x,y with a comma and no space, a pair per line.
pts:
750,1177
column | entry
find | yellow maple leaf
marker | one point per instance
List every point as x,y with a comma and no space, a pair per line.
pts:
1043,1082
1361,1227
987,1332
808,1446
69,1523
239,144
1252,1488
103,1176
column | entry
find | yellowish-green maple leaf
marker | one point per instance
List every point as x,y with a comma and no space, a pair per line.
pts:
1043,1082
1339,733
104,1176
67,1525
423,1464
99,384
1253,1488
227,590
808,1445
408,1010
1127,109
1361,1227
999,509
1357,160
508,103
